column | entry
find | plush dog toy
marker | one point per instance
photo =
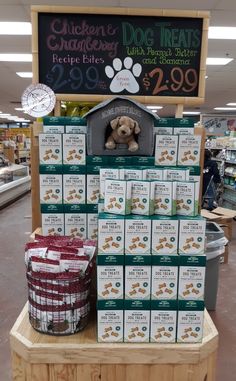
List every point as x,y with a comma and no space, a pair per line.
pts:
124,130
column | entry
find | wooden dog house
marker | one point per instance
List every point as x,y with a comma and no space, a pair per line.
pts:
98,120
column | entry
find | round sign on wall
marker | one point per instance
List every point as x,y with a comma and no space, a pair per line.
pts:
38,100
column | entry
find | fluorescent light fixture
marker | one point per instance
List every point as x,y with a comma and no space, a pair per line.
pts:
154,107
25,74
18,57
15,28
191,112
4,115
225,108
222,33
218,61
231,104
19,109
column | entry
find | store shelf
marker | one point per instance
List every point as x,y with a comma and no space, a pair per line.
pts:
230,162
230,175
230,187
229,201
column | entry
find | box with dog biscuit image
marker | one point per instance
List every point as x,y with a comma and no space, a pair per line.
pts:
166,149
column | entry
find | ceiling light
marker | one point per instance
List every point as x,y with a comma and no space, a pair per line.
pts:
154,107
222,33
19,109
191,112
15,28
4,115
225,108
218,61
206,76
231,104
18,57
25,74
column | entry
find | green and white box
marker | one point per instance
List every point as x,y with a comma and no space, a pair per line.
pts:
117,198
74,149
93,188
53,224
110,277
107,173
192,231
165,233
50,189
142,197
76,225
111,234
137,277
165,198
74,189
110,321
183,126
176,174
196,179
187,198
163,321
190,321
166,149
164,277
133,173
137,235
136,321
53,125
192,272
189,150
50,149
154,174
92,226
163,126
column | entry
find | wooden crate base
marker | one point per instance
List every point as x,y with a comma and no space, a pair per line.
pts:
38,357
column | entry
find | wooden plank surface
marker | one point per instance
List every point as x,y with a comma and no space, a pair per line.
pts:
82,348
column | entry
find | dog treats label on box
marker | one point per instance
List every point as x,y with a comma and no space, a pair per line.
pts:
93,188
189,150
111,234
134,174
137,235
137,277
176,174
165,198
76,225
190,321
166,150
74,187
192,235
110,279
92,226
163,321
186,199
50,189
50,149
154,174
142,197
110,321
53,224
192,277
74,149
196,179
117,197
107,173
164,277
165,232
163,126
136,321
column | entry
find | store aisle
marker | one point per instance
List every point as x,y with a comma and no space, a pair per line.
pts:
15,227
224,317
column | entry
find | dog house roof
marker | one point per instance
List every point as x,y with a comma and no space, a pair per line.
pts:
106,102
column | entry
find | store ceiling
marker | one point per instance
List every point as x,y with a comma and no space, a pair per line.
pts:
221,82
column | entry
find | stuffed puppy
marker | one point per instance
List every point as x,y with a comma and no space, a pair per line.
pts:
124,130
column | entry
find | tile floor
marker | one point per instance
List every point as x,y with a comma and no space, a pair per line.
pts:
15,228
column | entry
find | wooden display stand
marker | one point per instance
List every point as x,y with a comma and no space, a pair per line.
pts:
79,357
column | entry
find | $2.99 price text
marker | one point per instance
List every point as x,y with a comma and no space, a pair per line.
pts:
178,80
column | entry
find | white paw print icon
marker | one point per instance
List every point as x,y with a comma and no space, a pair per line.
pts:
124,79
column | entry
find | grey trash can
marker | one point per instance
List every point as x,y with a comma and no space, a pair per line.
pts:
215,247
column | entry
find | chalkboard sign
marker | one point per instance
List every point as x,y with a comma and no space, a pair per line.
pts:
104,54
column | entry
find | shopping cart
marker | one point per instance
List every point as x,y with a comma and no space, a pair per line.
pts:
213,195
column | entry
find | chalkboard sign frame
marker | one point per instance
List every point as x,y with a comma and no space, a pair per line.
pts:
151,99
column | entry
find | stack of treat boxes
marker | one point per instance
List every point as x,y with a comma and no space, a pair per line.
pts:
151,262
